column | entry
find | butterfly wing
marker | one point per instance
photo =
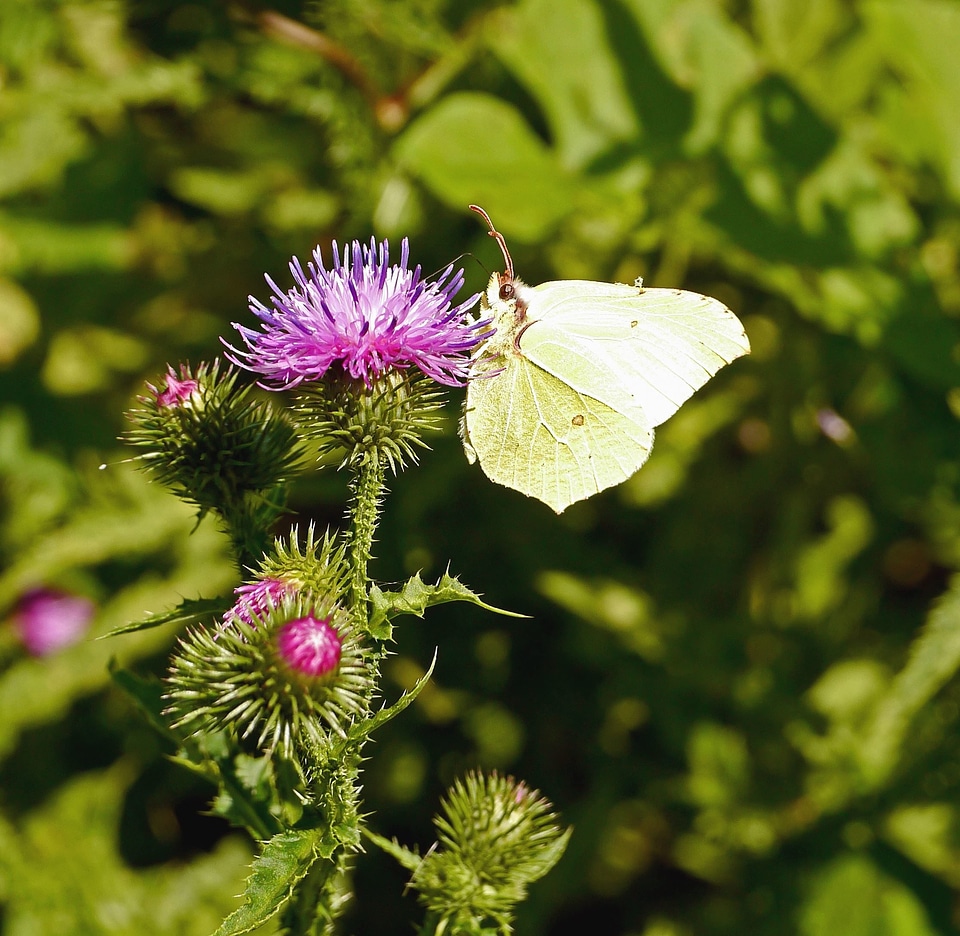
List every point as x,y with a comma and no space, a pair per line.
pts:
628,346
536,434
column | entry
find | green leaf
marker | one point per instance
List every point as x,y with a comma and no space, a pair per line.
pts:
851,896
148,694
587,107
416,596
919,37
701,49
475,149
794,33
283,862
934,659
186,612
63,866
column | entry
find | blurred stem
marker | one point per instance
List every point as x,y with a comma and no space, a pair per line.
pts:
368,489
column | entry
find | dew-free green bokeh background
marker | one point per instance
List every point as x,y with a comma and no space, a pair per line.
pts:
737,678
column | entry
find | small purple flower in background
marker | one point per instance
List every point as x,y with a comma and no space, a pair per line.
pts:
309,646
255,599
47,620
177,390
364,314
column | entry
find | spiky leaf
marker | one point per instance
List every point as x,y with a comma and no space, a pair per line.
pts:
415,597
282,864
187,612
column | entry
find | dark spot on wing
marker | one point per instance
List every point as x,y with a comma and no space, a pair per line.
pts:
577,420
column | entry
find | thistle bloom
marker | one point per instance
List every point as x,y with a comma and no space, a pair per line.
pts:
309,646
366,315
48,620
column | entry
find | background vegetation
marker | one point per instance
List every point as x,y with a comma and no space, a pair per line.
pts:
737,680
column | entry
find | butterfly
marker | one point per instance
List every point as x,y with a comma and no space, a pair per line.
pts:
566,389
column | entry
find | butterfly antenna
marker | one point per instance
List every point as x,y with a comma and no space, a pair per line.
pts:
493,232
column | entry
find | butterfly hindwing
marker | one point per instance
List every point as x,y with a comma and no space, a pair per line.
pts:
534,433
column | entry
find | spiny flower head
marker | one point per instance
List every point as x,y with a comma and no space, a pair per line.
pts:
496,837
363,314
318,566
242,679
204,437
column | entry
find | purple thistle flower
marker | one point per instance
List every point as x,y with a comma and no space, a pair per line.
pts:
365,314
310,646
47,620
256,599
177,390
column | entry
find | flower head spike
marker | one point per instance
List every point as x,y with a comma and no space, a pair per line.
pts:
363,314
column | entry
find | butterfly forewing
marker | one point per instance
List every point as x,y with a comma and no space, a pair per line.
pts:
539,436
627,346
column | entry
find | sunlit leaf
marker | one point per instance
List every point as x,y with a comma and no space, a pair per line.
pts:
473,148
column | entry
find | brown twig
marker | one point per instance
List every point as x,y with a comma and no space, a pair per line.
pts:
290,31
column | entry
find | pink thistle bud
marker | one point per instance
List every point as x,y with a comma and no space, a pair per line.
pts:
47,620
310,646
177,390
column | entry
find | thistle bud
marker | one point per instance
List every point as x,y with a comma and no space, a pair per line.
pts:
47,620
496,836
204,438
385,421
284,679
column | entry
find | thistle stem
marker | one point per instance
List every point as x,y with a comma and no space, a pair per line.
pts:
368,488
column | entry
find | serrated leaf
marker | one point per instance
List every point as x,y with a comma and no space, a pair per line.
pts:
416,596
254,773
280,866
187,611
362,729
476,149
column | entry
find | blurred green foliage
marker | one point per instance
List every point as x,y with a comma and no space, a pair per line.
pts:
738,678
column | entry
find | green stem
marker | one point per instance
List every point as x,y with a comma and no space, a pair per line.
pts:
431,921
309,911
368,489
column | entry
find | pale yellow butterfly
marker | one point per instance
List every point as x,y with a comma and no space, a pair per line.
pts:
564,395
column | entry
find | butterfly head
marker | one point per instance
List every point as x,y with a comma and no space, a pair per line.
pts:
504,291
